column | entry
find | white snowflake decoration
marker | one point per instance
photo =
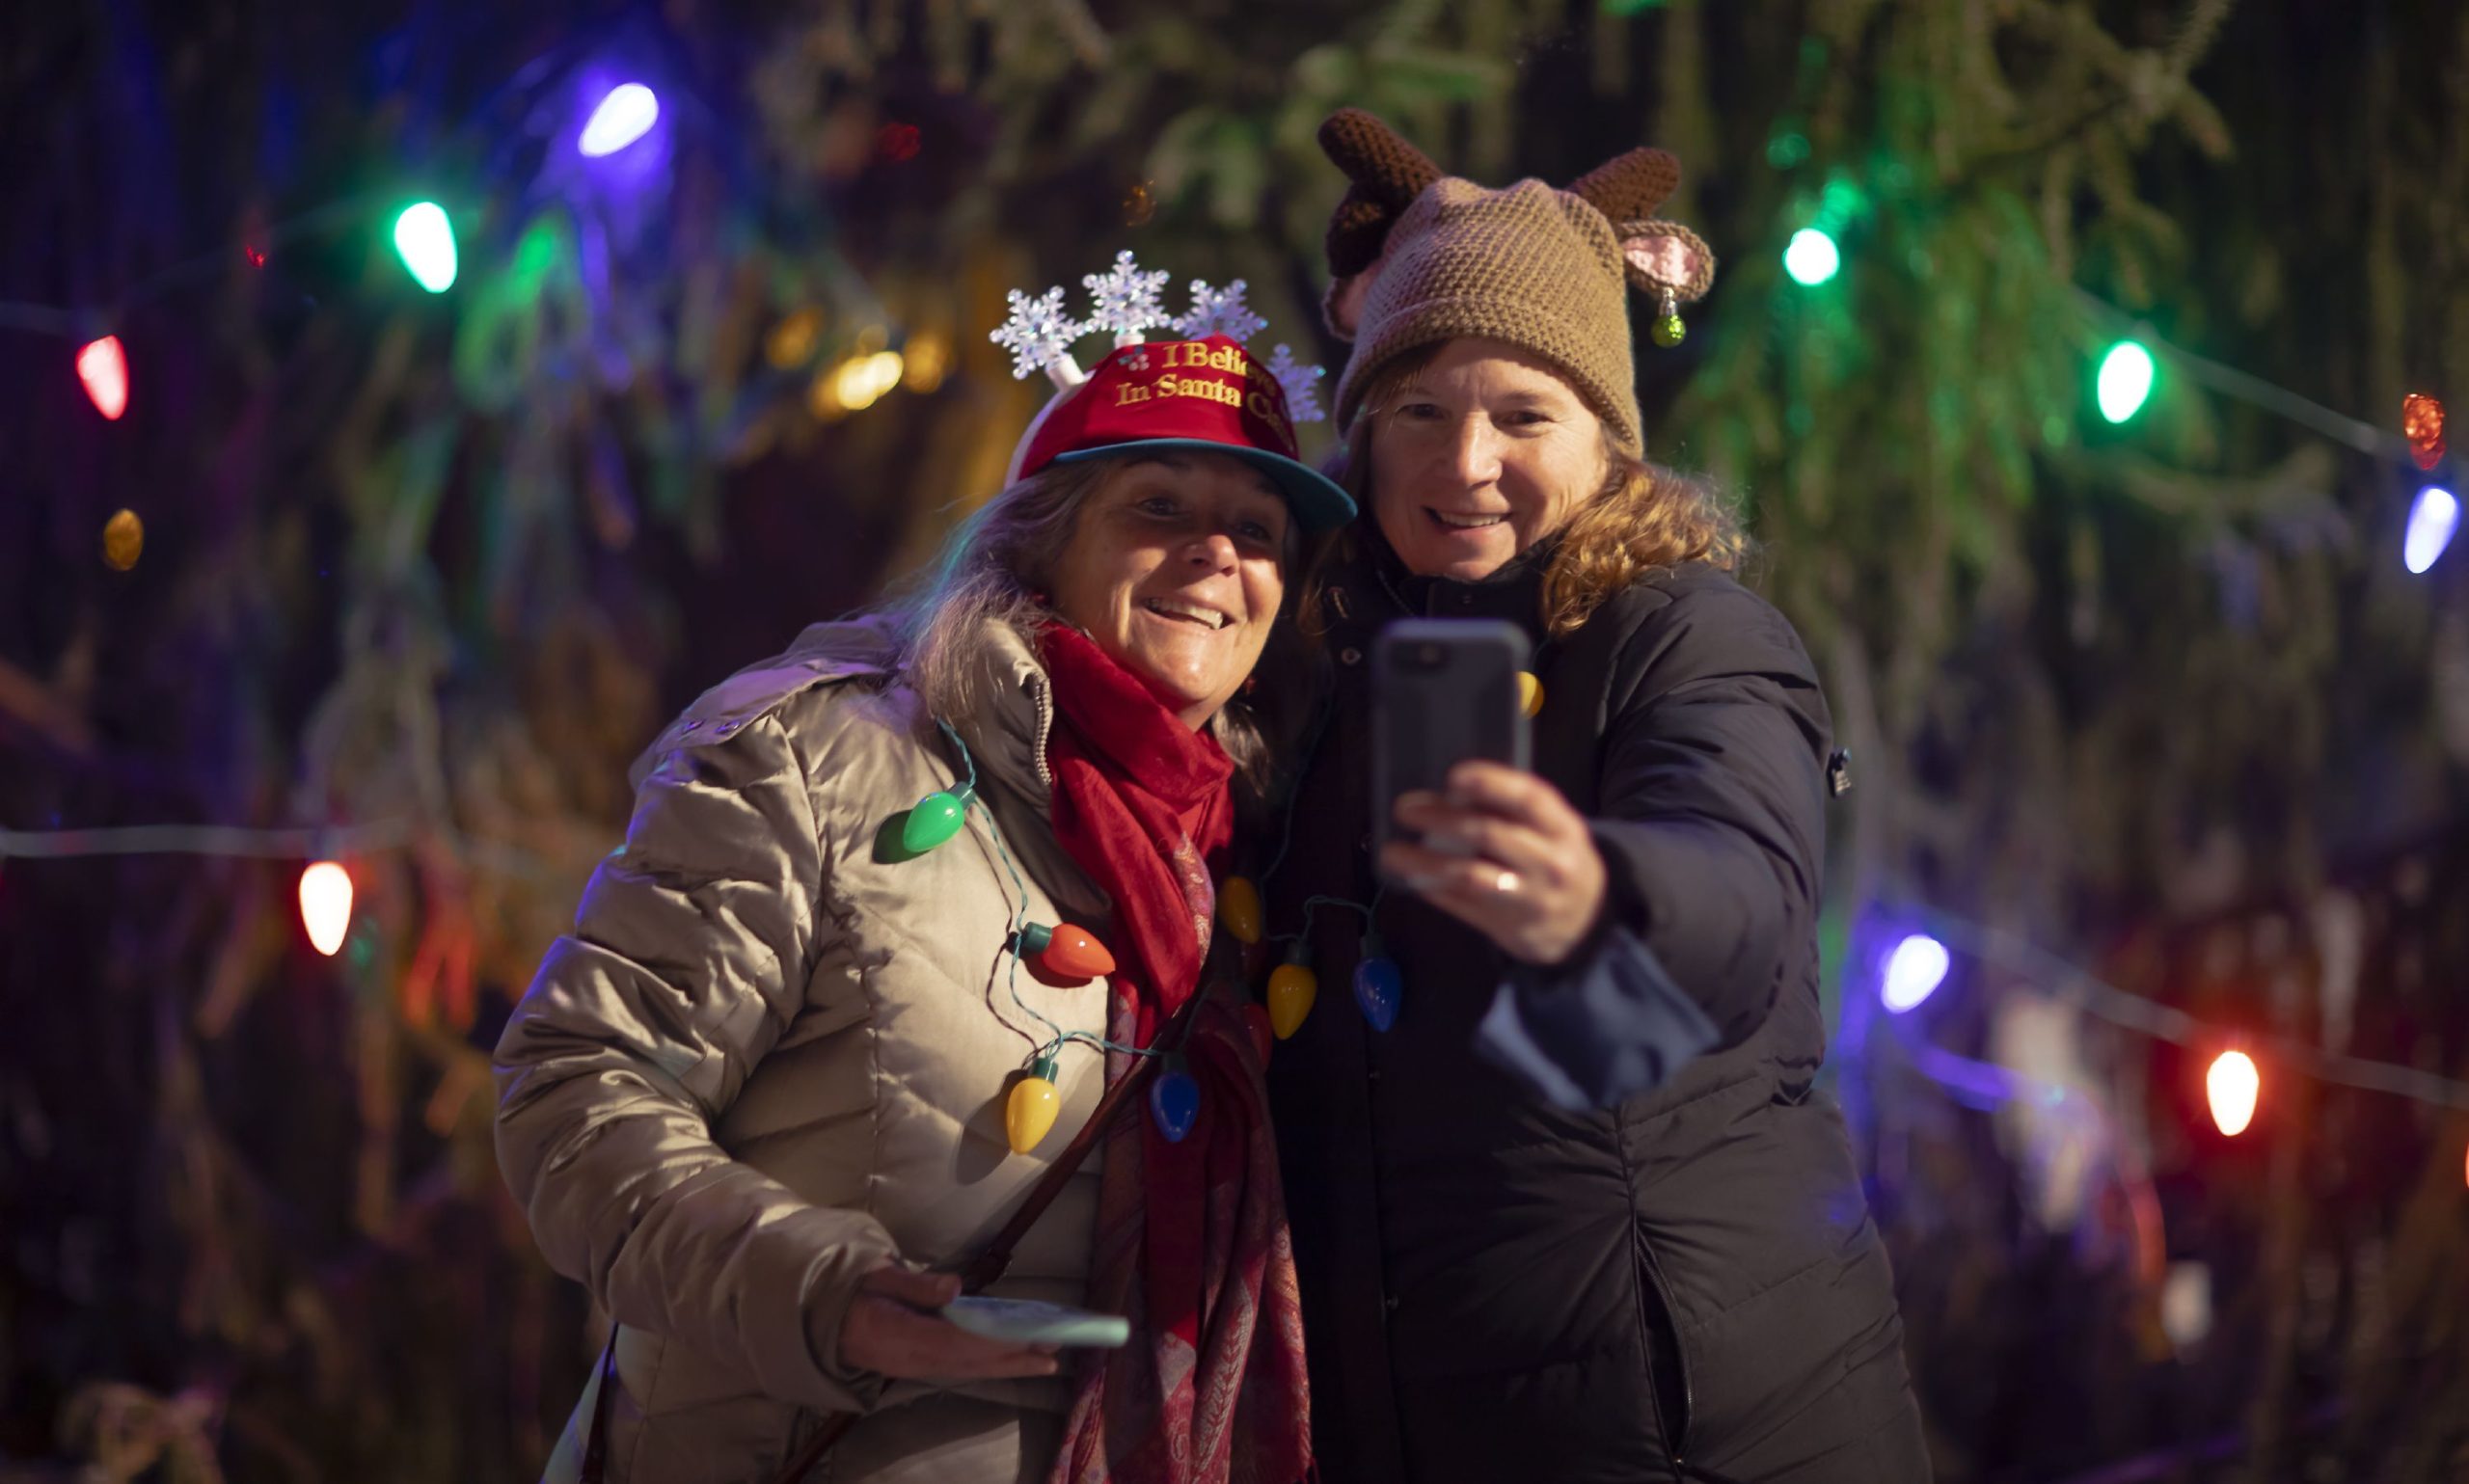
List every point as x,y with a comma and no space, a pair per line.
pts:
1127,300
1301,385
1039,335
1219,312
1125,304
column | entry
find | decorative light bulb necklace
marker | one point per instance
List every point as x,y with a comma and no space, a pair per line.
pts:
1063,949
1379,986
1294,986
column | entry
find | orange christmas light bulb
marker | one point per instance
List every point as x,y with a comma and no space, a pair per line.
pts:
1239,908
1066,950
2422,423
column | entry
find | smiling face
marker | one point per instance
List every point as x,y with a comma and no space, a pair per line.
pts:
1176,567
1479,454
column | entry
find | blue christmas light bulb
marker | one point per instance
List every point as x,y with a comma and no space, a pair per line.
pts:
1173,1102
1377,985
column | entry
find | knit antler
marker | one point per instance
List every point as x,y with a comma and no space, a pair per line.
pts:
1386,175
1629,186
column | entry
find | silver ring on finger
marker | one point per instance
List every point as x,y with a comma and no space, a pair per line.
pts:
1506,882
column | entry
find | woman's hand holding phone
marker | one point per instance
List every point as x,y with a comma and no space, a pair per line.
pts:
1502,851
893,1331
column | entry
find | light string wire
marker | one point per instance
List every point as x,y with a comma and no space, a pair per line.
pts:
1286,840
1016,920
296,843
2246,387
77,324
2073,985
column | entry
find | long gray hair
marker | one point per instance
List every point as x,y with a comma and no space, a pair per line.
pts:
998,567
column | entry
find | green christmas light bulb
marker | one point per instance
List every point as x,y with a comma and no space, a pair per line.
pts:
937,817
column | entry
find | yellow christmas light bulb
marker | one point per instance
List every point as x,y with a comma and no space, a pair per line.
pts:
1239,908
927,361
823,396
123,540
791,343
1028,1115
1292,987
862,380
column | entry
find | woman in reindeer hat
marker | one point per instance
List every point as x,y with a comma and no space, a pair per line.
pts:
1566,1204
785,1091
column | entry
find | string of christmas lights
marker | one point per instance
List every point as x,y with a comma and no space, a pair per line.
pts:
326,890
1919,964
2245,387
2128,374
618,136
1911,973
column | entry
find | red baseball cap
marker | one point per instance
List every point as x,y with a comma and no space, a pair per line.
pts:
1208,395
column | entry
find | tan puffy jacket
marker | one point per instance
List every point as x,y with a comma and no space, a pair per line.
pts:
764,1062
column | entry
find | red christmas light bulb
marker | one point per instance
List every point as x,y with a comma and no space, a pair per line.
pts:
1066,952
2233,1085
2422,423
102,368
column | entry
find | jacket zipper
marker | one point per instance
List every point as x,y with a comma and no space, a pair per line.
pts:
1675,1437
1045,727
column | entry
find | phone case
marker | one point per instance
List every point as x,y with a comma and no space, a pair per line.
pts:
1028,1322
1443,690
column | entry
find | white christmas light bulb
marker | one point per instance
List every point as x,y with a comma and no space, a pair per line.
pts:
325,906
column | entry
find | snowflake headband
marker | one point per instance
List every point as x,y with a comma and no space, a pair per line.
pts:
1040,335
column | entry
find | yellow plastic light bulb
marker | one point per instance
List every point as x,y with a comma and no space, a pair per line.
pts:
1239,908
1529,693
1292,987
1028,1115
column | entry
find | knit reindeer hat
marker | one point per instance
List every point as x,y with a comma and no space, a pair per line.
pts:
1418,258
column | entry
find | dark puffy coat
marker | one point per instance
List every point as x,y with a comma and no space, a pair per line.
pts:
1502,1280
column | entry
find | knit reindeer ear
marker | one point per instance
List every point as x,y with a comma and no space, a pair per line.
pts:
1666,260
1385,174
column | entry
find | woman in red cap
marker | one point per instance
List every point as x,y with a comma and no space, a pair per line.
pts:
786,1082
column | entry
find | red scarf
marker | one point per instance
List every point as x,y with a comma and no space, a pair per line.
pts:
1191,1241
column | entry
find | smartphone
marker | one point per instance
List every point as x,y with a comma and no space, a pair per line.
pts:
1443,690
1028,1322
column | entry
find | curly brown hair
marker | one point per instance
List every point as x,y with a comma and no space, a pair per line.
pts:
1645,519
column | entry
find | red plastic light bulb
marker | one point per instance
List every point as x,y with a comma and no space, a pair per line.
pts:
1067,951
